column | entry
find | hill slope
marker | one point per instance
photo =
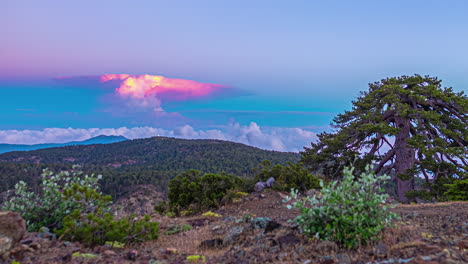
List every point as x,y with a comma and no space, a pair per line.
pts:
140,161
95,140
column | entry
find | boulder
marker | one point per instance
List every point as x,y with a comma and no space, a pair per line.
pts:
12,230
259,186
270,182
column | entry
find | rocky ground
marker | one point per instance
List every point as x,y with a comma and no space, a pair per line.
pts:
256,230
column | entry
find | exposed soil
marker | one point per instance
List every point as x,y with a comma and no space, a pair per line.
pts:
427,233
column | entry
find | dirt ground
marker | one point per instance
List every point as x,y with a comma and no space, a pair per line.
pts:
426,233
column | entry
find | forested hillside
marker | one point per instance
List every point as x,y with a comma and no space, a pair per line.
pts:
141,161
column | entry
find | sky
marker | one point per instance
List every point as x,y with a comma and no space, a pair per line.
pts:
270,74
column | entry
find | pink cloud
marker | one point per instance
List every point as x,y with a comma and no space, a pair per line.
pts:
149,90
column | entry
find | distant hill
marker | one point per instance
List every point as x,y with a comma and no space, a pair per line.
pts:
95,140
141,161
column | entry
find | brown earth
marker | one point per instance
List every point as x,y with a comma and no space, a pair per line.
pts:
426,233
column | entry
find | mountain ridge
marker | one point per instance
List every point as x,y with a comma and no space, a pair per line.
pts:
101,139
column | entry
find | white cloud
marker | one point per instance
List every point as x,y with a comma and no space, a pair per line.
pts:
272,138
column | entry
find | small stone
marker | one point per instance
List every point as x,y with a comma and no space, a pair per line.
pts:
132,255
381,249
212,243
232,235
327,246
274,250
272,225
215,228
109,253
463,244
260,222
35,246
289,239
229,218
6,244
326,260
343,259
170,251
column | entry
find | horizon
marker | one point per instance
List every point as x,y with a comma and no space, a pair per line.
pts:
267,74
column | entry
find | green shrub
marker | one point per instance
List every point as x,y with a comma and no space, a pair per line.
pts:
177,229
349,212
287,177
72,205
48,207
457,191
94,224
193,191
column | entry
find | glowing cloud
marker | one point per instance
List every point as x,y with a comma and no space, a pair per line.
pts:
149,90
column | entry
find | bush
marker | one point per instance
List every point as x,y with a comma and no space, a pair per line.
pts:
457,191
287,177
71,204
192,191
48,207
349,212
93,224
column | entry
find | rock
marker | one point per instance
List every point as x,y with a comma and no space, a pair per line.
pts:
12,230
463,244
270,182
12,225
109,253
170,251
6,244
289,239
44,232
229,218
326,260
381,250
260,222
154,261
259,187
232,235
216,228
212,243
327,246
198,222
343,258
274,249
132,254
272,225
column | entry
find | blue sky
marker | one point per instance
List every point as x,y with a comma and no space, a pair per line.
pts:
295,64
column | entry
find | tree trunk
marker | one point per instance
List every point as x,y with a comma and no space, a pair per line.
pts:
405,159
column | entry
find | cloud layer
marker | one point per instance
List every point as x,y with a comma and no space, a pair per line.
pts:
274,138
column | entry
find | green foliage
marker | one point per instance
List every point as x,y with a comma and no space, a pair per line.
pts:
49,206
458,190
192,190
349,212
94,224
177,229
292,176
407,114
72,205
140,161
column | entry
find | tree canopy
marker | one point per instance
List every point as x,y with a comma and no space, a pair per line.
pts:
406,125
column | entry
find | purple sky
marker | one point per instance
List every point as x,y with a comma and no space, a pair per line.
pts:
288,65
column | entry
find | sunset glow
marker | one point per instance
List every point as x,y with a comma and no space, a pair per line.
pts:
143,86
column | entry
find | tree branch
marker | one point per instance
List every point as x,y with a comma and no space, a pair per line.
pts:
387,157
